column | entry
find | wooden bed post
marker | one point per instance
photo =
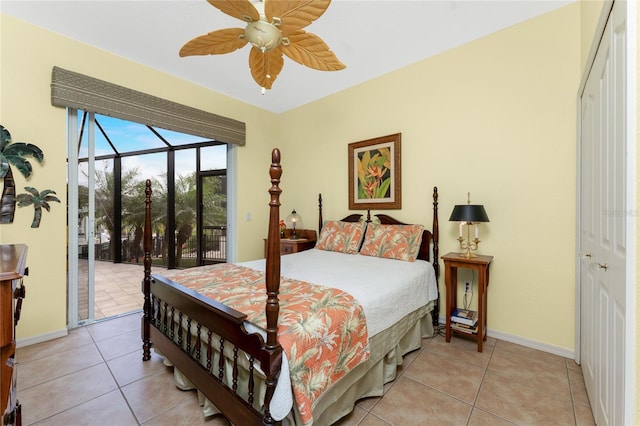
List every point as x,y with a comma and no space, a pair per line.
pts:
272,272
436,259
436,232
146,282
319,214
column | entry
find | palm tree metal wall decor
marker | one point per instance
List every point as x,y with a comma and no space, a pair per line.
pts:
39,200
13,154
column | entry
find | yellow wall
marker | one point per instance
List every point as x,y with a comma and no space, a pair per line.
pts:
27,56
495,117
590,12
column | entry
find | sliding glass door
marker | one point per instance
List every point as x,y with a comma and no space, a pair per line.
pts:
109,161
81,220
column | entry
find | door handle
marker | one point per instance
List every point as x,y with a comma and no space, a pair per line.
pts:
601,266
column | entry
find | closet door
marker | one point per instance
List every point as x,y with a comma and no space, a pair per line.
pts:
588,222
603,219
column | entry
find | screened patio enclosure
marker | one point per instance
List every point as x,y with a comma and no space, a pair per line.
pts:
189,208
189,181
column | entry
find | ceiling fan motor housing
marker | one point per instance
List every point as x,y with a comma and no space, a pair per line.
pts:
263,35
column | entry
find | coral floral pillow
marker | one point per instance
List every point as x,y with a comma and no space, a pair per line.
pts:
400,242
343,237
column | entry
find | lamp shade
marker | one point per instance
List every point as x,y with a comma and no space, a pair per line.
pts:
294,220
469,213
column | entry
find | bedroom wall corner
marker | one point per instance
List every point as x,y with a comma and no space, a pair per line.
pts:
590,13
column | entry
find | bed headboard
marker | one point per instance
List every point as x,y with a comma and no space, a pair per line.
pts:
429,249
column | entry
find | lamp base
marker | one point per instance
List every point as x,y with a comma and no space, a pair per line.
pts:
294,235
468,246
468,255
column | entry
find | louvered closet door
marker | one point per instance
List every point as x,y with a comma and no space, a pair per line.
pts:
603,218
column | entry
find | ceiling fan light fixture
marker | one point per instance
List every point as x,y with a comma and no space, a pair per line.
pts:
263,35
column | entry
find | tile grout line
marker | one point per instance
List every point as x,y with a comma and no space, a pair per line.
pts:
474,407
115,380
420,350
75,372
484,375
571,392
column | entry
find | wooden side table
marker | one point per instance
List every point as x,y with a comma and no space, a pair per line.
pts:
480,263
306,240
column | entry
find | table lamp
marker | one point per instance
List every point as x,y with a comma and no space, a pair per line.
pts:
294,221
468,214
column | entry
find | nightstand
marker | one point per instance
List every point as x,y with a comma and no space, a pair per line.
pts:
306,240
480,263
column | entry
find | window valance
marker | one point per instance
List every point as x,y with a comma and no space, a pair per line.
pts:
75,90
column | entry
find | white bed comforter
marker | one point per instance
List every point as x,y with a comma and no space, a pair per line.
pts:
387,289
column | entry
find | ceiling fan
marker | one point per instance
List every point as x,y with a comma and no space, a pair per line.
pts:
274,28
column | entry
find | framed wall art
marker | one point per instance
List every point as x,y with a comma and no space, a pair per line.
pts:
374,173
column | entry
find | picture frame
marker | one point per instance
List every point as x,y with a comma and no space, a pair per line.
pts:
375,173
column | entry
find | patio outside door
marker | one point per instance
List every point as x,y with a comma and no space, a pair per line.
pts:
81,220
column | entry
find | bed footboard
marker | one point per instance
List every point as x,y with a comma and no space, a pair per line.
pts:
194,343
196,333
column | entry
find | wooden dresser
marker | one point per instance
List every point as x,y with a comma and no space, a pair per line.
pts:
13,258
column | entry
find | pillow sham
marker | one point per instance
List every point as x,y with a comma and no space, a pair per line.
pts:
343,237
400,242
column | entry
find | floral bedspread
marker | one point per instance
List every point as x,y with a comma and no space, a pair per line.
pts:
321,329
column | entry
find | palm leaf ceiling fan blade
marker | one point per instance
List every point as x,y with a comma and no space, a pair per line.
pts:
294,15
265,67
309,50
241,9
276,33
215,43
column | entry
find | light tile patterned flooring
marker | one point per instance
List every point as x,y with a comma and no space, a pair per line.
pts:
117,288
95,376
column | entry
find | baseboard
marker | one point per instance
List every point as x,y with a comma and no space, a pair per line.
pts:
41,338
518,340
556,350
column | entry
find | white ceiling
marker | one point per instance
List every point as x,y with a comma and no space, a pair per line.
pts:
371,37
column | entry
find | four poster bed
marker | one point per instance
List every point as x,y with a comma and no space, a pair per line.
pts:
295,352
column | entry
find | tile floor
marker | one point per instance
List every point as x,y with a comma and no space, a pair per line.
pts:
95,376
117,288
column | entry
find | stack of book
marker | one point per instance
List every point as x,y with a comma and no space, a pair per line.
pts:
464,320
